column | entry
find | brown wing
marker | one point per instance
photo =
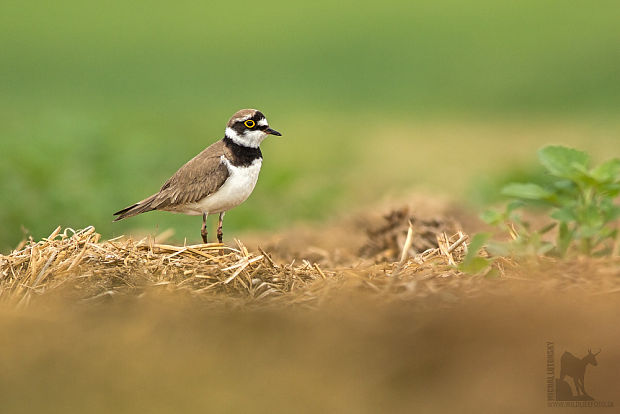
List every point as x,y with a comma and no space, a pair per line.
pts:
200,177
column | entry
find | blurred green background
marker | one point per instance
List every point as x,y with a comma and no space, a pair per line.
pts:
101,102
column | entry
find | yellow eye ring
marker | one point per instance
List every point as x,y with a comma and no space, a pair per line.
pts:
249,123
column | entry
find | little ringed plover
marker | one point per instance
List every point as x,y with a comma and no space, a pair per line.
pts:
216,180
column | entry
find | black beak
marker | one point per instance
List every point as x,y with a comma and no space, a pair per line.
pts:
273,132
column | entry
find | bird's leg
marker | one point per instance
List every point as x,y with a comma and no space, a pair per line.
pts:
203,230
220,234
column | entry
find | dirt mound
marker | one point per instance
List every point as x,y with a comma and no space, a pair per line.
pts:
387,237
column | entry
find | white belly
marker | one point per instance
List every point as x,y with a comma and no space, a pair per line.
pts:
235,190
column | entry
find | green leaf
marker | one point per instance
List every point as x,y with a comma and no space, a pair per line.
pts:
545,248
528,191
609,210
565,185
605,234
476,244
513,205
496,248
583,176
610,190
587,232
563,162
593,216
493,274
492,217
473,263
547,228
608,171
565,214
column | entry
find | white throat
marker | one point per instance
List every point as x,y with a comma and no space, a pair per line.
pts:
249,139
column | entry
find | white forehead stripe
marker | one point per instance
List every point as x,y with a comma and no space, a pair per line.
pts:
263,122
243,118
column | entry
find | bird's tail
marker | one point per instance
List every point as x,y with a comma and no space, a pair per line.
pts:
138,208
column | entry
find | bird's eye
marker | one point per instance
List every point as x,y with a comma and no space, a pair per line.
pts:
249,123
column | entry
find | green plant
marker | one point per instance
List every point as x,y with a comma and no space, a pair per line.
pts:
473,262
580,201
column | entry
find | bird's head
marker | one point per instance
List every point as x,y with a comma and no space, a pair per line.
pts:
249,127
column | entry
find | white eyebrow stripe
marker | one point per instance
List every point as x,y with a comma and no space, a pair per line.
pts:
242,119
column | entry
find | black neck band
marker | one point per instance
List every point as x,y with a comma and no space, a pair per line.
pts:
242,155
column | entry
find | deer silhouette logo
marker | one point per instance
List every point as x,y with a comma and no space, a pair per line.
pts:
575,368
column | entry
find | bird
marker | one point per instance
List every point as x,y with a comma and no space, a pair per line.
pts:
216,180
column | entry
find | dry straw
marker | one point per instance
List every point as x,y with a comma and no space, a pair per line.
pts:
78,264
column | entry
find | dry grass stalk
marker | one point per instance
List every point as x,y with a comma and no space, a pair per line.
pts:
408,243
